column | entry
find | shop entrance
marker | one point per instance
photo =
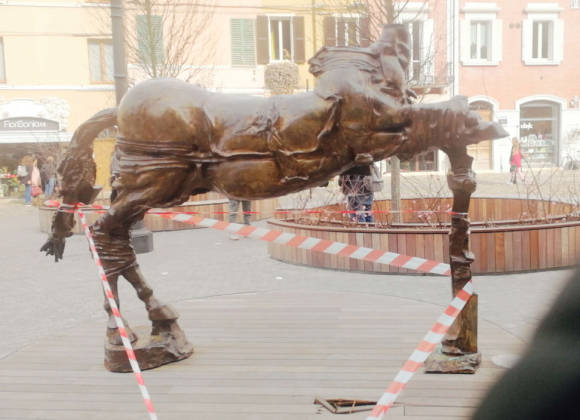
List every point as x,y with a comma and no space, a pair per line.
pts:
539,133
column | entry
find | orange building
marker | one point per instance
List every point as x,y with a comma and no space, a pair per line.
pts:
518,62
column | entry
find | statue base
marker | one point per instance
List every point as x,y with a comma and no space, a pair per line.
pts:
440,362
151,350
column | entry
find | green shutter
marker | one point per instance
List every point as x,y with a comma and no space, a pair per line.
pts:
150,39
243,42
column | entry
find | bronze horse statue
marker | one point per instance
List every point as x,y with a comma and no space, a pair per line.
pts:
177,140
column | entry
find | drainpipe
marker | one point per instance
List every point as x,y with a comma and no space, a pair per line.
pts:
119,60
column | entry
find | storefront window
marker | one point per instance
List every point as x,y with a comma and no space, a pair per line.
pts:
539,124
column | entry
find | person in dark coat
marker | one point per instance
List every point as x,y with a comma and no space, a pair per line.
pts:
48,174
545,383
356,186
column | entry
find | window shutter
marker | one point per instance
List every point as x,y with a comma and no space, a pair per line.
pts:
329,31
243,42
527,32
95,61
558,41
262,45
465,40
427,52
364,32
496,41
299,42
150,39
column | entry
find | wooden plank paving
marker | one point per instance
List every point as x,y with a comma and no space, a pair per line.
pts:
257,356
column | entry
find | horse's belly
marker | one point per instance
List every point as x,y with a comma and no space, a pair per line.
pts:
163,111
253,179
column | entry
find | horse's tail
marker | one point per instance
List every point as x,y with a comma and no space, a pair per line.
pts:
77,173
78,170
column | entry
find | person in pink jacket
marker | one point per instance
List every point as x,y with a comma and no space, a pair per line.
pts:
516,162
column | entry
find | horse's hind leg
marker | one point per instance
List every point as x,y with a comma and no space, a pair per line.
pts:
137,193
112,332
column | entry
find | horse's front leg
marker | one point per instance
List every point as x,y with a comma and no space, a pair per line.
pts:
444,125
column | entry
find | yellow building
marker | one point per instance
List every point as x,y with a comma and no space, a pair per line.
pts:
55,72
56,57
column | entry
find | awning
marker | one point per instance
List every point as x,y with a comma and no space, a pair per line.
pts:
18,137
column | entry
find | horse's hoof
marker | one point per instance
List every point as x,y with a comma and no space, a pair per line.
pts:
114,338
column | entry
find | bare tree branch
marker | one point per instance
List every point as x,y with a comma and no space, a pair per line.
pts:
166,38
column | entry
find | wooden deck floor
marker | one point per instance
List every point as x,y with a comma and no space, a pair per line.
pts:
259,356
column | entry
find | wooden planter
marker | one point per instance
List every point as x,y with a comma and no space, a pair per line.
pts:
505,247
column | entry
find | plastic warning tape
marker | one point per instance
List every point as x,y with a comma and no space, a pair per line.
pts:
422,352
317,244
302,242
100,209
118,319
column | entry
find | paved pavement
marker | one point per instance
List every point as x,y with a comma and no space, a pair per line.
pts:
41,298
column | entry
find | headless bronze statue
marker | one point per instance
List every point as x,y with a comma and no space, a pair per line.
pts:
177,140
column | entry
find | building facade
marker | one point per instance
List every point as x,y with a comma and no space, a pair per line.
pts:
55,72
518,64
516,61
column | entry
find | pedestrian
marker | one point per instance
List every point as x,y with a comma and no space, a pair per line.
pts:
49,171
246,208
40,161
357,184
516,162
35,180
24,173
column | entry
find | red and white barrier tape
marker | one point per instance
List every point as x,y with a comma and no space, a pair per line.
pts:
415,361
422,352
118,319
100,209
319,245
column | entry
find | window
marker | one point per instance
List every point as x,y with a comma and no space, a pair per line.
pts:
280,38
425,161
539,128
2,66
542,40
347,32
543,35
416,16
480,40
481,35
101,61
280,30
575,4
243,42
150,39
418,57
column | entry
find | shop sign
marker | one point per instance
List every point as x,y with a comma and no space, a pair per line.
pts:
28,124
